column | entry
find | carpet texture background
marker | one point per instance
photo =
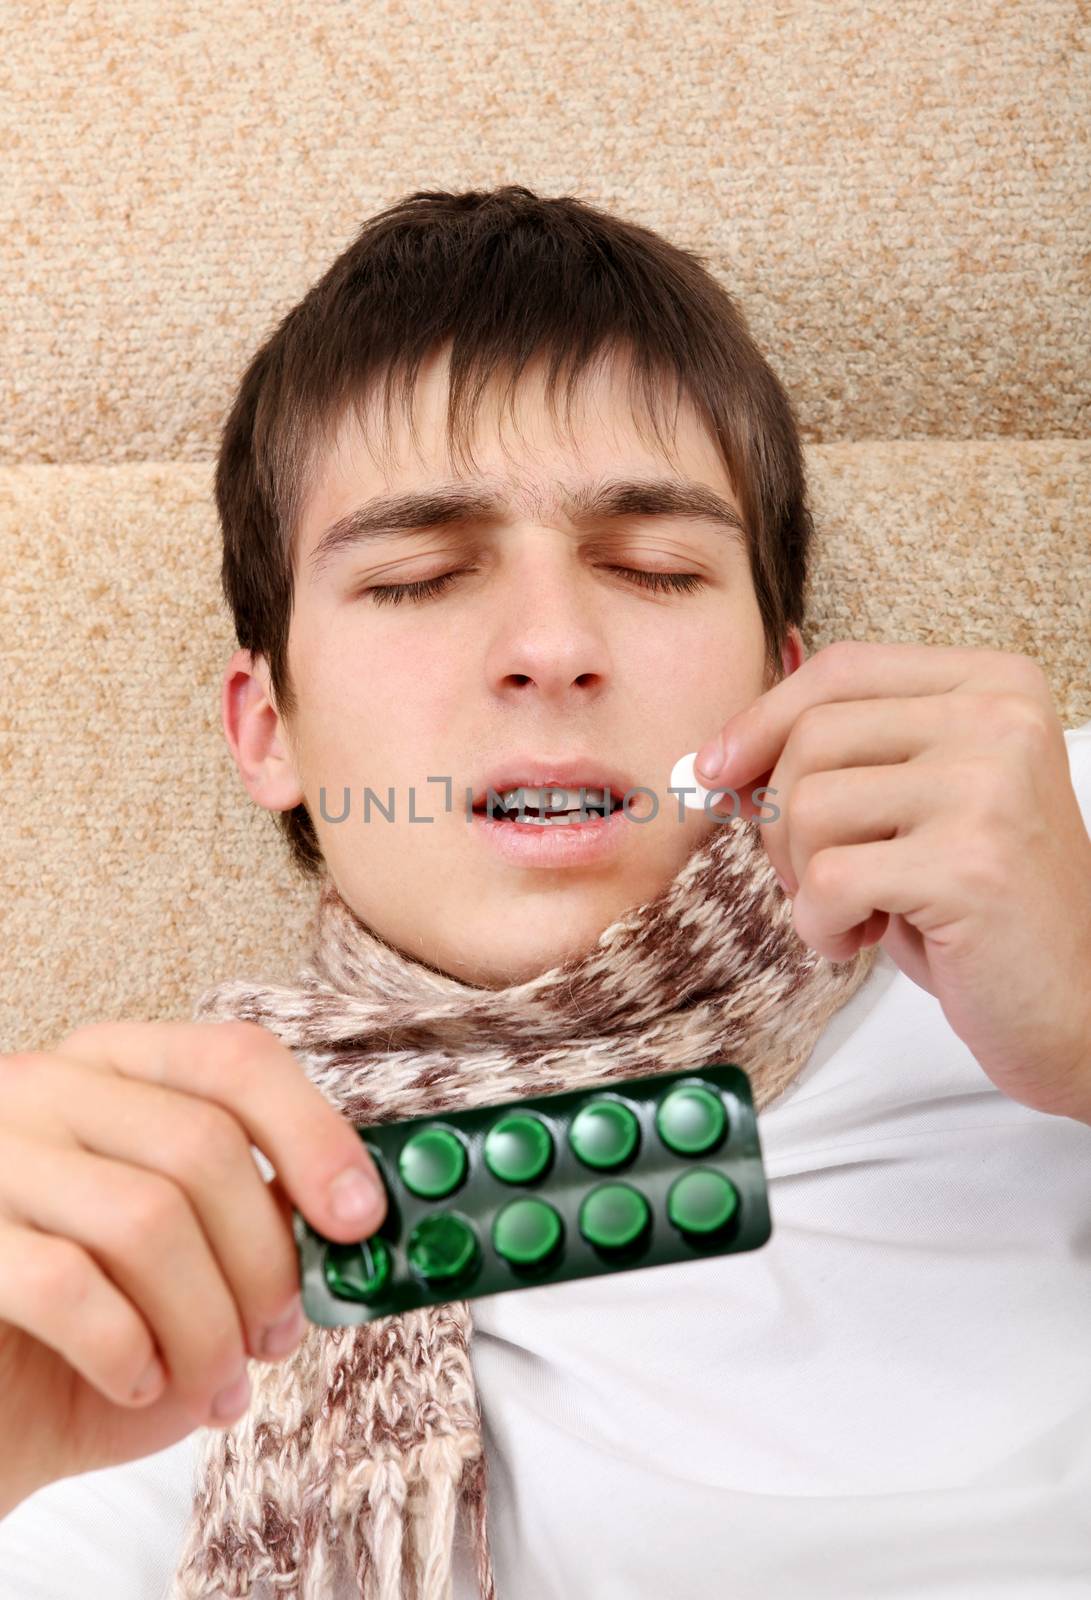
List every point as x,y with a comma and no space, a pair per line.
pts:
897,197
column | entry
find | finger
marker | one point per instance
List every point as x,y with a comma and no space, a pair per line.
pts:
844,886
744,801
243,1068
202,1149
751,741
852,805
143,1235
53,1291
847,945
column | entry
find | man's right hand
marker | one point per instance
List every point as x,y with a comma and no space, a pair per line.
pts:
143,1258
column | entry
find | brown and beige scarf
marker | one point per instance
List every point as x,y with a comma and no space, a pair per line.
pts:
345,1475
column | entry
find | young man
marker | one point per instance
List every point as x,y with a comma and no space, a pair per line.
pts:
892,1396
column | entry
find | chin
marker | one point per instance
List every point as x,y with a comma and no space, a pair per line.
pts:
510,960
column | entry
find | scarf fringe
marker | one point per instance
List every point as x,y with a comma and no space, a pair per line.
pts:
397,1518
381,1529
401,1537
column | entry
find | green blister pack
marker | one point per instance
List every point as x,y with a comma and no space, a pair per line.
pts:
483,1200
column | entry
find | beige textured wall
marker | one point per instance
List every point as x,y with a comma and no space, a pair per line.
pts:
897,192
897,195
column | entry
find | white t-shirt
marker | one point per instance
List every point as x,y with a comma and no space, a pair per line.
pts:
890,1400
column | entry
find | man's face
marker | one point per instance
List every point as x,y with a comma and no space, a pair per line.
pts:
541,647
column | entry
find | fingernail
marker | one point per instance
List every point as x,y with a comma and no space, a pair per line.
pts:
229,1402
710,758
284,1334
354,1197
150,1381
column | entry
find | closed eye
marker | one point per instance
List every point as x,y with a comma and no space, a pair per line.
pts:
392,593
681,581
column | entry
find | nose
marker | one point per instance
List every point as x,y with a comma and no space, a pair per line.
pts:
549,633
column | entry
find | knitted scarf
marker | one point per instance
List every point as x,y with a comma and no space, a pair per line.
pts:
344,1477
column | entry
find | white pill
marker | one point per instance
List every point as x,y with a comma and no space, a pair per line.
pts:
684,776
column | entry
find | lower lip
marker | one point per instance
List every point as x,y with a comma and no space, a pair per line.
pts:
556,844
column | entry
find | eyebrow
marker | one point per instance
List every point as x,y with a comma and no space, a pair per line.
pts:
450,504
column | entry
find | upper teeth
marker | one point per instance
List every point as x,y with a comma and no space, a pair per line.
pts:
552,799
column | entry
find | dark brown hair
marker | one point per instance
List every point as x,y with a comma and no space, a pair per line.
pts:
504,276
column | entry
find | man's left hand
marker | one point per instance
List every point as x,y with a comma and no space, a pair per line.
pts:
926,804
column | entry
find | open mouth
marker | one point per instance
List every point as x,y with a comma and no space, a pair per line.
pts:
549,807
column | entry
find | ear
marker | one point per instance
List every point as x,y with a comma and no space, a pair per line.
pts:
256,735
793,654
